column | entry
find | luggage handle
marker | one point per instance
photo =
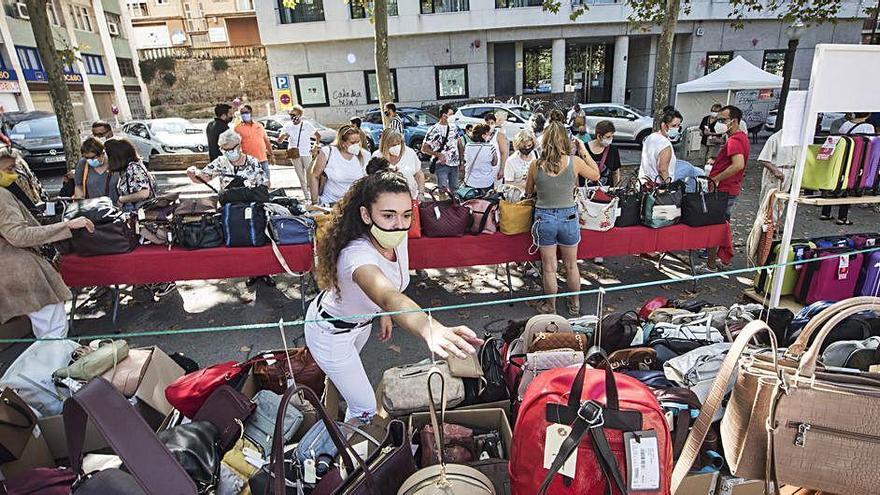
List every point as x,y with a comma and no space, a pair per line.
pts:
839,311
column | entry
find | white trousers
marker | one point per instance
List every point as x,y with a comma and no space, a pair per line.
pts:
339,356
303,168
49,321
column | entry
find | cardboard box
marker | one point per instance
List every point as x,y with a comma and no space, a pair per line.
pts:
36,454
698,484
490,419
16,328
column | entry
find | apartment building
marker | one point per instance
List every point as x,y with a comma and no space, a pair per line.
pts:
102,76
197,24
320,53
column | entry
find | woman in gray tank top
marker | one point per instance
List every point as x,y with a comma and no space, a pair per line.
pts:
553,178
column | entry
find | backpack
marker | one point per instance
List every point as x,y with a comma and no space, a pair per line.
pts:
617,414
244,224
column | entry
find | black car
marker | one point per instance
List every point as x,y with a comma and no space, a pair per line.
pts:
37,137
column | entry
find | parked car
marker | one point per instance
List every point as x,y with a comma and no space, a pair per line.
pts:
416,123
631,124
517,116
37,136
274,123
169,135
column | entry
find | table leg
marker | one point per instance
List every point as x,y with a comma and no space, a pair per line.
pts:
693,270
302,293
115,308
75,293
509,283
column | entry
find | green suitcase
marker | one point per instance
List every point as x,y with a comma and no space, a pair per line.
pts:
763,277
830,174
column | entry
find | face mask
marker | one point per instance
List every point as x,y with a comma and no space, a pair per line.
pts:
7,178
232,155
607,142
720,128
528,150
388,239
395,150
673,132
713,114
245,117
94,162
354,149
295,119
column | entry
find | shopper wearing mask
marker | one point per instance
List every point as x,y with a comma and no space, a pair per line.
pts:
658,158
30,285
856,123
222,115
481,168
364,269
92,175
604,154
343,162
135,185
254,140
230,164
498,138
299,135
404,159
710,139
517,167
395,123
442,143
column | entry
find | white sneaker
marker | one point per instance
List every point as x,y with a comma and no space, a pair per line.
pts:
599,260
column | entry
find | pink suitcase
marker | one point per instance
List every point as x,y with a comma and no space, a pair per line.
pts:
856,167
872,164
831,279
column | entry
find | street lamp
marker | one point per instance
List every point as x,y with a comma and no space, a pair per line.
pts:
794,33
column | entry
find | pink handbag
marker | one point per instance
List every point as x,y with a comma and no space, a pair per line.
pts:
483,216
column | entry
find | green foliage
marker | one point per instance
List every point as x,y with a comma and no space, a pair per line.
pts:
152,68
165,64
169,78
219,64
148,70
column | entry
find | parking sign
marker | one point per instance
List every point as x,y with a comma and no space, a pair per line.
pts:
282,82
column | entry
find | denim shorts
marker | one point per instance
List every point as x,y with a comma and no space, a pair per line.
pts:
556,226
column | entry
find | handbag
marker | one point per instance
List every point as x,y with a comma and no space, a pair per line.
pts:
116,236
494,388
189,392
448,218
291,229
105,357
227,409
272,369
17,423
550,341
245,225
661,206
629,201
203,231
126,376
99,210
194,446
634,359
458,445
701,208
483,213
405,388
260,426
617,330
196,206
444,478
39,481
516,218
536,363
597,215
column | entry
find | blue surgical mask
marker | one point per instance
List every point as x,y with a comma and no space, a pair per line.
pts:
232,155
673,132
94,162
245,117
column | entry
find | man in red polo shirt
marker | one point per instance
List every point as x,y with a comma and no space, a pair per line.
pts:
728,172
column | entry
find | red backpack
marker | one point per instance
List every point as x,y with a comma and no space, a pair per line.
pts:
601,407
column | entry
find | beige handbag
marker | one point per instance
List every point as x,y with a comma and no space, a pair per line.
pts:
468,367
443,478
405,388
107,356
126,376
545,324
788,422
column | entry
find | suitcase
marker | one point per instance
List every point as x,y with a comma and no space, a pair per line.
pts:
869,282
833,241
825,175
872,165
796,253
856,168
244,224
862,241
831,279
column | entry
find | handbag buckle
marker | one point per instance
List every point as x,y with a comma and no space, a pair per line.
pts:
591,412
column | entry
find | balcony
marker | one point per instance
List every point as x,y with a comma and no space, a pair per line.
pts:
138,10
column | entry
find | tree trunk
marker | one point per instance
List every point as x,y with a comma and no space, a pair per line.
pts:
58,91
383,71
664,59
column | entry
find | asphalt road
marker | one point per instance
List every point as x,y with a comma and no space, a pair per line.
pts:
217,303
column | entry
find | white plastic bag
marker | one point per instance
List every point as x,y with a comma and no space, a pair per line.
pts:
30,375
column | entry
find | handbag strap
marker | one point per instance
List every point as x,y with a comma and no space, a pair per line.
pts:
143,454
203,181
716,394
603,159
807,366
795,350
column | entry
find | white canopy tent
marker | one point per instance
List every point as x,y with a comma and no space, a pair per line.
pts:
694,98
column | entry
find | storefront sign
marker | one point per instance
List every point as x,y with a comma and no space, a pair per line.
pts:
42,76
8,75
9,87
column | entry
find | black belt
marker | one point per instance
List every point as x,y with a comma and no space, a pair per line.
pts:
345,326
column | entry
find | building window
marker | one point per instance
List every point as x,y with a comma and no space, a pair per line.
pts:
305,11
114,24
452,81
161,2
715,60
66,60
53,10
126,67
512,4
94,65
372,85
138,9
444,6
311,90
82,18
244,5
361,9
537,69
29,58
774,61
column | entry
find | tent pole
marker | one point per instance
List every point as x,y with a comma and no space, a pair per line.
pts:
728,97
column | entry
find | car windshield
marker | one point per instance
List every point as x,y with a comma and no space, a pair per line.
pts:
521,112
422,118
44,127
636,111
173,127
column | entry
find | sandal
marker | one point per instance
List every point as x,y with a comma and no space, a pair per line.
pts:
574,307
543,307
845,222
824,217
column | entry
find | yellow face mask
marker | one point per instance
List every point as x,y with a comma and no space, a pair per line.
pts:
7,178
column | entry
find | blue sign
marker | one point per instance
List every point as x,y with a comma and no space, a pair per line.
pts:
282,82
8,75
42,76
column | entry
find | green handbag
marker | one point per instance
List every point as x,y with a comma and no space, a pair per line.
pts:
95,363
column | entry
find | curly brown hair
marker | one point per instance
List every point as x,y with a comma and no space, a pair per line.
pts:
346,224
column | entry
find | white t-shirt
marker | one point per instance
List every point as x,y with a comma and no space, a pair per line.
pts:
479,171
516,169
301,133
351,300
341,173
408,165
853,128
784,157
651,148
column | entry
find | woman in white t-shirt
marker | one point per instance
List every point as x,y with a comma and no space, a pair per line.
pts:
658,157
364,270
517,167
342,163
402,157
481,160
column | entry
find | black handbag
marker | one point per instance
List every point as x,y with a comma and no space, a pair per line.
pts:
107,481
205,232
113,237
244,224
617,330
195,447
99,210
242,194
629,201
495,389
661,203
701,208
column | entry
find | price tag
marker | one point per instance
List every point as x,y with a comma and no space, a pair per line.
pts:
870,242
248,213
141,215
50,209
842,267
642,460
437,212
310,474
556,434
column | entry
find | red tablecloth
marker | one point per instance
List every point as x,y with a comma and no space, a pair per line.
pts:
434,252
152,264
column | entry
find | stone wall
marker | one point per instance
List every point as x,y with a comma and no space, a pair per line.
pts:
197,86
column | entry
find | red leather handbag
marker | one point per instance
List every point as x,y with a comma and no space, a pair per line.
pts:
39,481
603,410
415,228
446,218
189,392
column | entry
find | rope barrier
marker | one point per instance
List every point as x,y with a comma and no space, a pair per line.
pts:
453,307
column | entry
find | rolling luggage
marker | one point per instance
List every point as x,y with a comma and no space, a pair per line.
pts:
244,224
797,252
869,282
872,165
830,279
854,180
828,174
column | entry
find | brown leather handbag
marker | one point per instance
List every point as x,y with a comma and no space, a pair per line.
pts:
447,218
17,422
196,206
551,341
126,376
458,444
117,236
272,369
634,359
227,409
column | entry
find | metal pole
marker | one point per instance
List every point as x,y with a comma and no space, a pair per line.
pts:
786,80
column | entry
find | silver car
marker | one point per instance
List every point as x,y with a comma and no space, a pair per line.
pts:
517,116
630,124
170,135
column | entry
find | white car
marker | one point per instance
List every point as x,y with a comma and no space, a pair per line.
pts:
517,116
630,124
170,135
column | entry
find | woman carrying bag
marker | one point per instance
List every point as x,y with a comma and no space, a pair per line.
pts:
605,154
364,270
341,163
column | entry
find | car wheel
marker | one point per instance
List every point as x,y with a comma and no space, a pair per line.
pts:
640,139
